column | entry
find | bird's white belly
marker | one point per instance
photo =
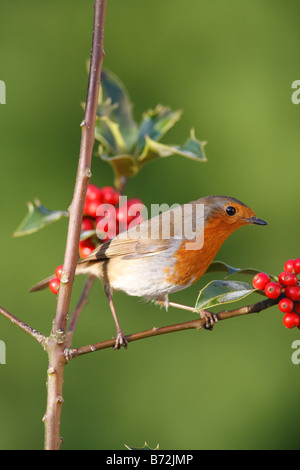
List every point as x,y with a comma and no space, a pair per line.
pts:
143,277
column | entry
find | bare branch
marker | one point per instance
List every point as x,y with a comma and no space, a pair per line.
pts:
194,324
35,334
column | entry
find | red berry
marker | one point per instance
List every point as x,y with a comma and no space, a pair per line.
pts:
286,305
106,224
94,193
86,247
110,195
54,285
90,207
93,200
135,207
293,292
87,224
58,271
297,307
291,320
122,215
289,265
273,290
260,280
297,266
129,215
287,279
109,234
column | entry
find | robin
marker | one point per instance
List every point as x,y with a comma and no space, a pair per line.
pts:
166,253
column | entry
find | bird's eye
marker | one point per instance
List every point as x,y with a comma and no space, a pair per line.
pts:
230,210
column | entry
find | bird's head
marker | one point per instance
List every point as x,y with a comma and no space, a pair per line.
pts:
228,213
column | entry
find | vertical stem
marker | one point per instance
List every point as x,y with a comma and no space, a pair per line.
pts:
56,340
84,168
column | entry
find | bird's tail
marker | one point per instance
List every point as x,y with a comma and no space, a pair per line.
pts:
85,268
42,284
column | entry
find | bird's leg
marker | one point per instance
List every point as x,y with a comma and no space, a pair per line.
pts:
210,318
120,339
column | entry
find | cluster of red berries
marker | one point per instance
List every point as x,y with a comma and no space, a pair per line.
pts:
289,285
115,218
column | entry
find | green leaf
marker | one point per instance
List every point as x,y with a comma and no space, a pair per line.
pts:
106,108
87,234
221,292
127,147
220,266
156,122
38,217
145,447
123,166
108,133
193,149
113,89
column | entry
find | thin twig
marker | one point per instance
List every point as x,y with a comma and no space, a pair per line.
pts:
28,329
194,324
78,309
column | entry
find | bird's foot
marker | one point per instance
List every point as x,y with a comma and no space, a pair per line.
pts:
210,319
120,340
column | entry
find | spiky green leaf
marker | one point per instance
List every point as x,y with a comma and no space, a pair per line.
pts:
38,217
156,122
145,447
193,148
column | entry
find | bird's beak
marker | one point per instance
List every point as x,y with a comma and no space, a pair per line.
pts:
255,220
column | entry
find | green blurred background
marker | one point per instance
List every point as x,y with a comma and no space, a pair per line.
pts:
229,66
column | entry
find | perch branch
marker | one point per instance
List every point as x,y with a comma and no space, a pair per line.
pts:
194,324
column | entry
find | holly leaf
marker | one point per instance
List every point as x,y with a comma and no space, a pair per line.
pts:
156,122
114,90
193,148
108,133
220,266
127,146
222,292
87,234
38,217
124,166
145,447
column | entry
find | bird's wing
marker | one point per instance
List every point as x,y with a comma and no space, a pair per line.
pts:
147,239
128,249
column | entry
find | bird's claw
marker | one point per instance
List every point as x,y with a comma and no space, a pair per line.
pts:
120,340
210,319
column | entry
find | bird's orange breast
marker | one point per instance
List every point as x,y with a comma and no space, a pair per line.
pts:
190,265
